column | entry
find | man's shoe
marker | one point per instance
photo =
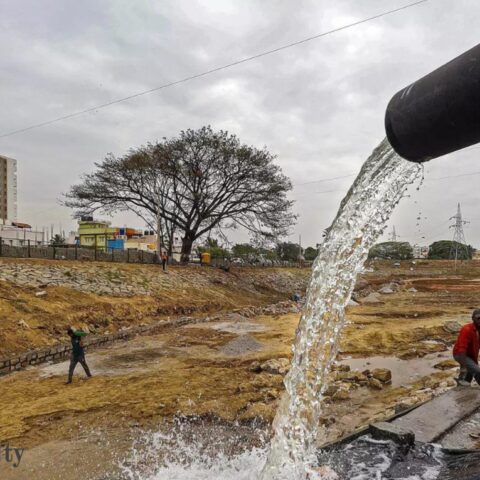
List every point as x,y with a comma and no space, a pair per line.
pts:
462,383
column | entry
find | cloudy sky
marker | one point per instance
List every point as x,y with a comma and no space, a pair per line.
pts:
319,106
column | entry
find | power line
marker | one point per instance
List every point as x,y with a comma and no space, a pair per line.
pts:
324,180
213,70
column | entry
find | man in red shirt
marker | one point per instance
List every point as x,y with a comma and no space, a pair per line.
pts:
465,351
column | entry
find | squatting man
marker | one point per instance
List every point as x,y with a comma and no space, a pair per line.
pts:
466,349
10,454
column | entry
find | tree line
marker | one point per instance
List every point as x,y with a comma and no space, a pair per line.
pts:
440,250
282,251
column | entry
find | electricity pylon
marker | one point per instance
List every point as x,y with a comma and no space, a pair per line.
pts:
393,235
459,243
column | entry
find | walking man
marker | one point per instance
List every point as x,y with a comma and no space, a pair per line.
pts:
78,353
164,261
466,349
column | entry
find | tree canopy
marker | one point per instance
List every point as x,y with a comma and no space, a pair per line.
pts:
391,251
197,182
288,251
445,249
310,254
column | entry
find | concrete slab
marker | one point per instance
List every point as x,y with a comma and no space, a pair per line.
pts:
390,431
433,419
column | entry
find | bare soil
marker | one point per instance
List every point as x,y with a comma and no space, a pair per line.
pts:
190,371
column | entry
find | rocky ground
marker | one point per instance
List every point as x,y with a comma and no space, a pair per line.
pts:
227,371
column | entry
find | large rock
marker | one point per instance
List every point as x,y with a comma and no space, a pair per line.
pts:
375,384
382,374
372,298
278,366
341,394
354,377
446,365
388,431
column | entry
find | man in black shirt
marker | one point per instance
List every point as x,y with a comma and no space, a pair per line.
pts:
78,354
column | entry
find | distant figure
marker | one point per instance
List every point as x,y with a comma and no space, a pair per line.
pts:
164,261
78,353
466,349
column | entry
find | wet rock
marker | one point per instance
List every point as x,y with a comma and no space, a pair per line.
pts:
255,367
331,390
277,366
375,384
389,288
409,402
353,376
341,394
340,367
452,326
258,412
388,431
446,365
382,374
43,293
412,290
372,298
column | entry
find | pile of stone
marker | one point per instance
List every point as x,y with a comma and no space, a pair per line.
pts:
343,380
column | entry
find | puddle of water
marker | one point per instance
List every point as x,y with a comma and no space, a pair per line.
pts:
404,372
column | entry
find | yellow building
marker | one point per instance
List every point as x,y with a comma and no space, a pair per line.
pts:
95,233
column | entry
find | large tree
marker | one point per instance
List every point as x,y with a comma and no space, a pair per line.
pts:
197,182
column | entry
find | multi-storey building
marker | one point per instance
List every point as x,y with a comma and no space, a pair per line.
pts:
8,190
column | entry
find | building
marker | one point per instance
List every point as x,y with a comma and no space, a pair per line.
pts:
420,251
20,235
101,235
8,190
95,233
147,243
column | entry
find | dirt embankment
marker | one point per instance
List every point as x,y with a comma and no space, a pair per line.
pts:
39,299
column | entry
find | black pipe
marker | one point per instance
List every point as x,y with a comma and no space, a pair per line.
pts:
438,114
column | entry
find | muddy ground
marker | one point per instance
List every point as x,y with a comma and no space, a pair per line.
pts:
225,373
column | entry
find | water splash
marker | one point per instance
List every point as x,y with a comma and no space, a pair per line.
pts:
361,218
194,449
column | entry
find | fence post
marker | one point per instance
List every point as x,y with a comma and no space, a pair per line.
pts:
28,248
95,250
76,252
128,255
113,250
142,256
53,254
1,245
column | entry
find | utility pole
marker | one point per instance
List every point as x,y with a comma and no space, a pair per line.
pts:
393,235
459,243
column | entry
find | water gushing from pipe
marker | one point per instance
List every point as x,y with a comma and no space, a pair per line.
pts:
361,218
